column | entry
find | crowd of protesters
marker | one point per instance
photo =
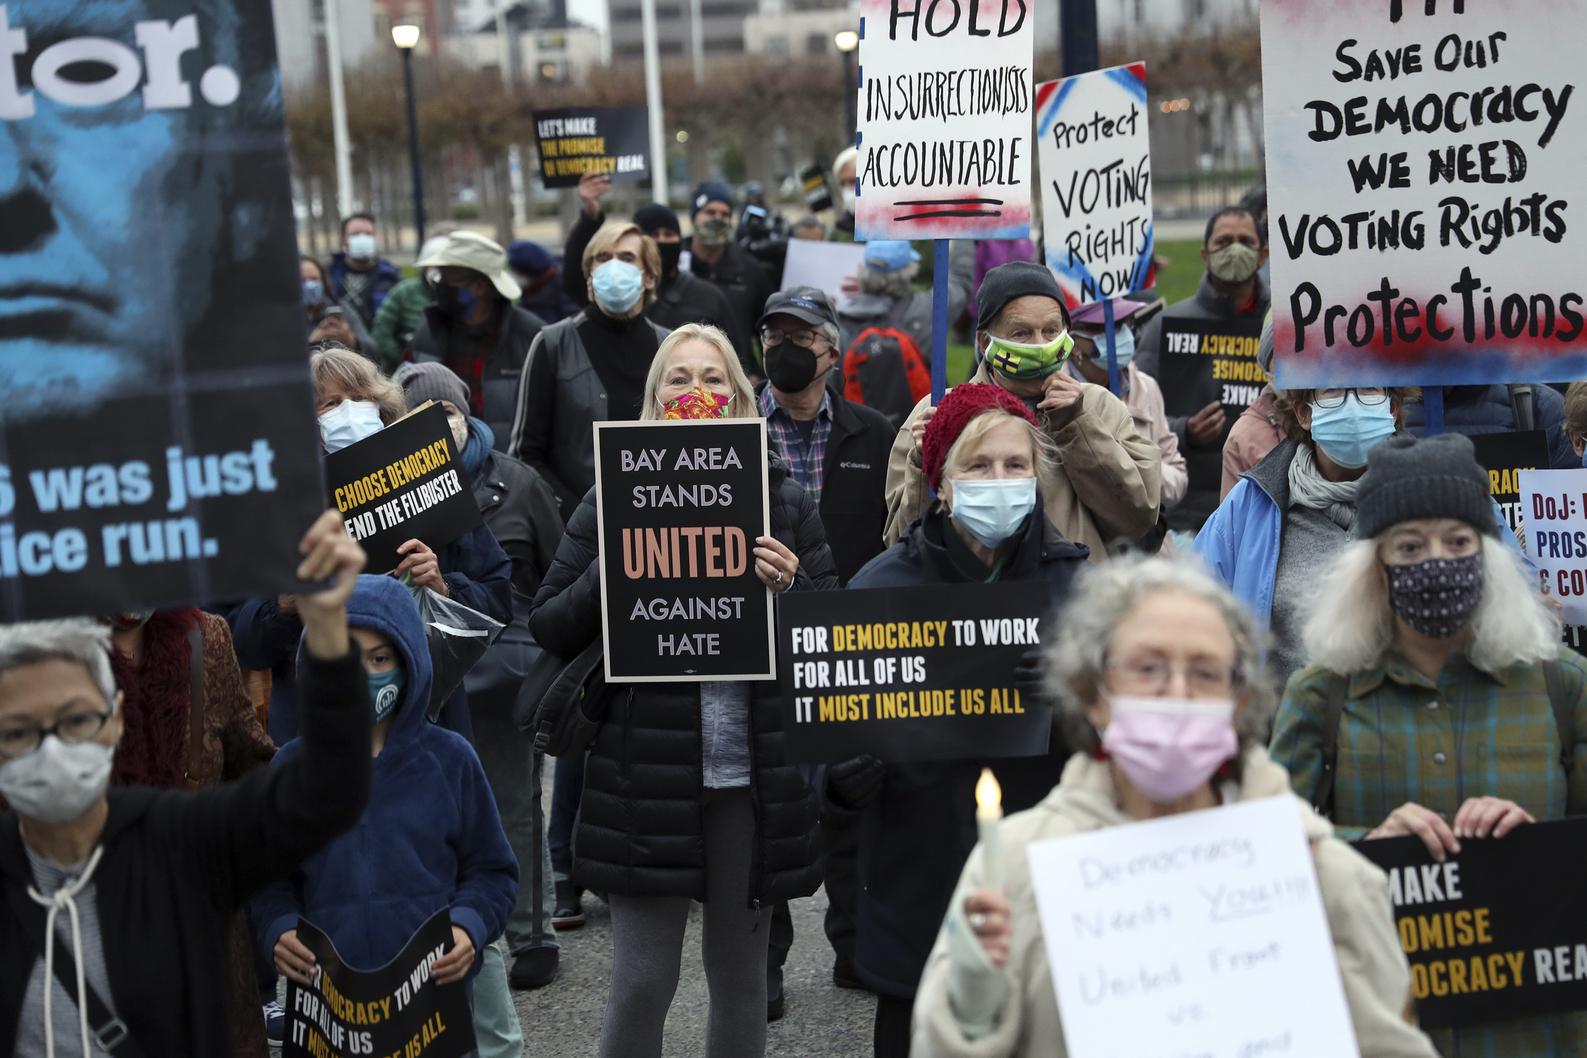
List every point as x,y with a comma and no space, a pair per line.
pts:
1311,598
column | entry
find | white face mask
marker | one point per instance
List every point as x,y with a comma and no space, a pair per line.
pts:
348,423
848,199
57,782
361,247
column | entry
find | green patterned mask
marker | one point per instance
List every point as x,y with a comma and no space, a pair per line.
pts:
1020,361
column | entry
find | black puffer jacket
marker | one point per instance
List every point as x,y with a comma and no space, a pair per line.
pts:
640,829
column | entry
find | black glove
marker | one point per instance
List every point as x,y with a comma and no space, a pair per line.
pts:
854,783
1030,678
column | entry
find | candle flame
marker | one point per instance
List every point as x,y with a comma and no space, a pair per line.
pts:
988,794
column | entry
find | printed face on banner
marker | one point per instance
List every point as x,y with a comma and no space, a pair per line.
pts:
1096,183
1421,172
945,110
158,435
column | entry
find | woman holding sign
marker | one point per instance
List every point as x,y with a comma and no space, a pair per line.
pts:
1440,701
1163,695
687,794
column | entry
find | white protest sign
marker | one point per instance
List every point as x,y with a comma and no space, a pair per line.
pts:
1096,182
1423,159
1554,505
944,119
823,265
1192,935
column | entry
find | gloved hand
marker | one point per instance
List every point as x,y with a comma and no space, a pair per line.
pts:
1029,677
977,988
856,782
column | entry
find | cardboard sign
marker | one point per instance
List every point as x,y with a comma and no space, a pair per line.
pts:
157,435
1504,456
680,505
1498,931
1554,504
1422,167
813,182
823,265
395,1010
576,140
403,483
910,673
1192,935
1096,183
945,112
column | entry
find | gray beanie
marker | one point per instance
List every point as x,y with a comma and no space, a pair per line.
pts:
1423,477
431,381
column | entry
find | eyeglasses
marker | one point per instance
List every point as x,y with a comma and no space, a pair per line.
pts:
1335,398
22,739
1155,677
803,339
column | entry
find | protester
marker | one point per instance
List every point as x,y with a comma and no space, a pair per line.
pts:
1478,410
989,464
1439,701
1109,481
717,259
354,402
475,328
687,793
129,894
403,310
1260,428
1576,419
521,511
1143,644
326,319
1232,250
428,840
541,281
359,275
844,168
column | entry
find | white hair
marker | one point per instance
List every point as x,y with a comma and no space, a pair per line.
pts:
77,639
845,156
1352,625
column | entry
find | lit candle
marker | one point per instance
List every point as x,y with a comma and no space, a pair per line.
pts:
988,810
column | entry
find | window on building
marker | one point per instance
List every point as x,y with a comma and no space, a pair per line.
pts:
777,46
817,43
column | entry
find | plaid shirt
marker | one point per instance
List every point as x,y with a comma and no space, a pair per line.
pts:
805,461
1403,737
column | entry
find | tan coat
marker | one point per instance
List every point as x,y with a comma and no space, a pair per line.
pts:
1377,981
1109,479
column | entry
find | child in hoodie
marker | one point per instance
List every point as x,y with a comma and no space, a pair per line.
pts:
429,838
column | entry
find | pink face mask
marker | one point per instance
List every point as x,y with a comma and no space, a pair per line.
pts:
1169,746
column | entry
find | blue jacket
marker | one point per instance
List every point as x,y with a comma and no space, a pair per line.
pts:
429,837
1474,410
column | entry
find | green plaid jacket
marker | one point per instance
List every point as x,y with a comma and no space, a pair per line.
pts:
1403,738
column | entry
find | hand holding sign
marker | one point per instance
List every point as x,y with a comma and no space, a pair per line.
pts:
421,565
454,965
775,565
329,554
293,961
592,188
1411,818
1205,428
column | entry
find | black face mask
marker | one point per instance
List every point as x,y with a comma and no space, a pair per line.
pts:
790,368
453,301
670,252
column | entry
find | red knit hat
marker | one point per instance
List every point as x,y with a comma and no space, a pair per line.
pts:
958,407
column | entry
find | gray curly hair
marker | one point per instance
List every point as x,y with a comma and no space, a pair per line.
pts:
76,639
1102,594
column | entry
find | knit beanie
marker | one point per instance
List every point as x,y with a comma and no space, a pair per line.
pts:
1016,279
709,191
958,407
653,217
528,259
1423,477
431,381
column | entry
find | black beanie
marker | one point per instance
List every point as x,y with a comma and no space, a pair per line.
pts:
1017,279
1423,477
653,217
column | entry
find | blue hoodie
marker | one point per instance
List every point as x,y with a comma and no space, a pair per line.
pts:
429,838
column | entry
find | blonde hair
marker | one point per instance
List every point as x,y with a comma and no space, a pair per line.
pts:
1352,625
975,431
609,235
742,406
358,375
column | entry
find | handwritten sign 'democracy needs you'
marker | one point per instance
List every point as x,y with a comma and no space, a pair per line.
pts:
945,109
1424,162
1198,934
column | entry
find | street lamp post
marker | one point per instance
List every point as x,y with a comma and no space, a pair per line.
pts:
847,42
406,38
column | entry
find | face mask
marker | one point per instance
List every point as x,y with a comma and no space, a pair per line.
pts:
1348,432
1017,360
714,232
1169,747
992,511
670,252
313,292
385,690
57,782
697,403
459,425
348,423
361,247
1436,596
848,199
790,368
1123,347
456,302
1236,263
618,286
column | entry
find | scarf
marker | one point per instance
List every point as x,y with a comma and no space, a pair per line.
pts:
1309,489
153,749
481,439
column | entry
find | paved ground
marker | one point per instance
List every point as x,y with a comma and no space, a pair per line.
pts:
563,1019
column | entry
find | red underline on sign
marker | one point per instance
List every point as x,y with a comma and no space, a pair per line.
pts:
951,202
953,213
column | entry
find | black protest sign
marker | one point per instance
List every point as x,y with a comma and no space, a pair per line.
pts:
818,196
1209,361
1504,456
578,140
397,1011
1498,931
157,434
910,673
680,506
403,483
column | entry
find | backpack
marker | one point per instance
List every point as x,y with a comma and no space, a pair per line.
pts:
883,369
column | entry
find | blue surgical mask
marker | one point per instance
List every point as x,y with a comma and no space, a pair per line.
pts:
618,286
385,690
1347,433
1123,346
348,423
992,511
313,292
